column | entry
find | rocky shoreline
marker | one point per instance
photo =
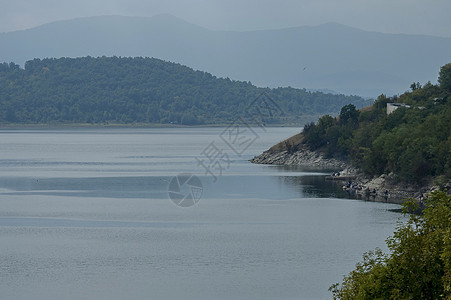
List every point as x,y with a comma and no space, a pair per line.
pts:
303,157
382,188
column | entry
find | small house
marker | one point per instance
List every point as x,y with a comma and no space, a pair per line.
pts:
391,107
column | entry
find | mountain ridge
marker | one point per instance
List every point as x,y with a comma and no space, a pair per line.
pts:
328,56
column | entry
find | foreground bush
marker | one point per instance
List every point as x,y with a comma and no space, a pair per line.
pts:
418,266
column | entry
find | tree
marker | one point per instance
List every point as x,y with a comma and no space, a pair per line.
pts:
444,78
419,265
349,114
415,86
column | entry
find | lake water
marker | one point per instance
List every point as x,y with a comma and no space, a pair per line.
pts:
86,214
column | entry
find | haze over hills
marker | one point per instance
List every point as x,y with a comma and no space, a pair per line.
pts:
329,56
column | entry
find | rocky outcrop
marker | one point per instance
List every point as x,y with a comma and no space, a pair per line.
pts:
303,157
387,187
398,191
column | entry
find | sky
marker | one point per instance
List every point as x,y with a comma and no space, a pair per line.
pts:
430,17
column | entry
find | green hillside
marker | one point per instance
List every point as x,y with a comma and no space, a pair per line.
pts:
413,142
141,90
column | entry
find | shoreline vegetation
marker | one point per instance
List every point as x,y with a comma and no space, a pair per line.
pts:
419,259
395,149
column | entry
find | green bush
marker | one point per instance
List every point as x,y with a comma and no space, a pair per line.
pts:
419,263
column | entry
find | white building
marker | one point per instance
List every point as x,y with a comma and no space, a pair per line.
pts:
391,107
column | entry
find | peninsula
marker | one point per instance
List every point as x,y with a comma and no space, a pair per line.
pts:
399,147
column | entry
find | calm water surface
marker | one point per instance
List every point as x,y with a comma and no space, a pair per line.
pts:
85,214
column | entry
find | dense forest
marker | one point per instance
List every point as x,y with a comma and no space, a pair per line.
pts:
413,142
142,90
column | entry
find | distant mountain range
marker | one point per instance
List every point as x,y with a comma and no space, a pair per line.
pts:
329,56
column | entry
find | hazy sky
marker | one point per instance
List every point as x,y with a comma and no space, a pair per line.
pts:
394,16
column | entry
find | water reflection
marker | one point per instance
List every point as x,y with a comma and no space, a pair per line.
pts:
287,182
311,182
315,186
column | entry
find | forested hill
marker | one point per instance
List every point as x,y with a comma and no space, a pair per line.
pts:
413,142
141,90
